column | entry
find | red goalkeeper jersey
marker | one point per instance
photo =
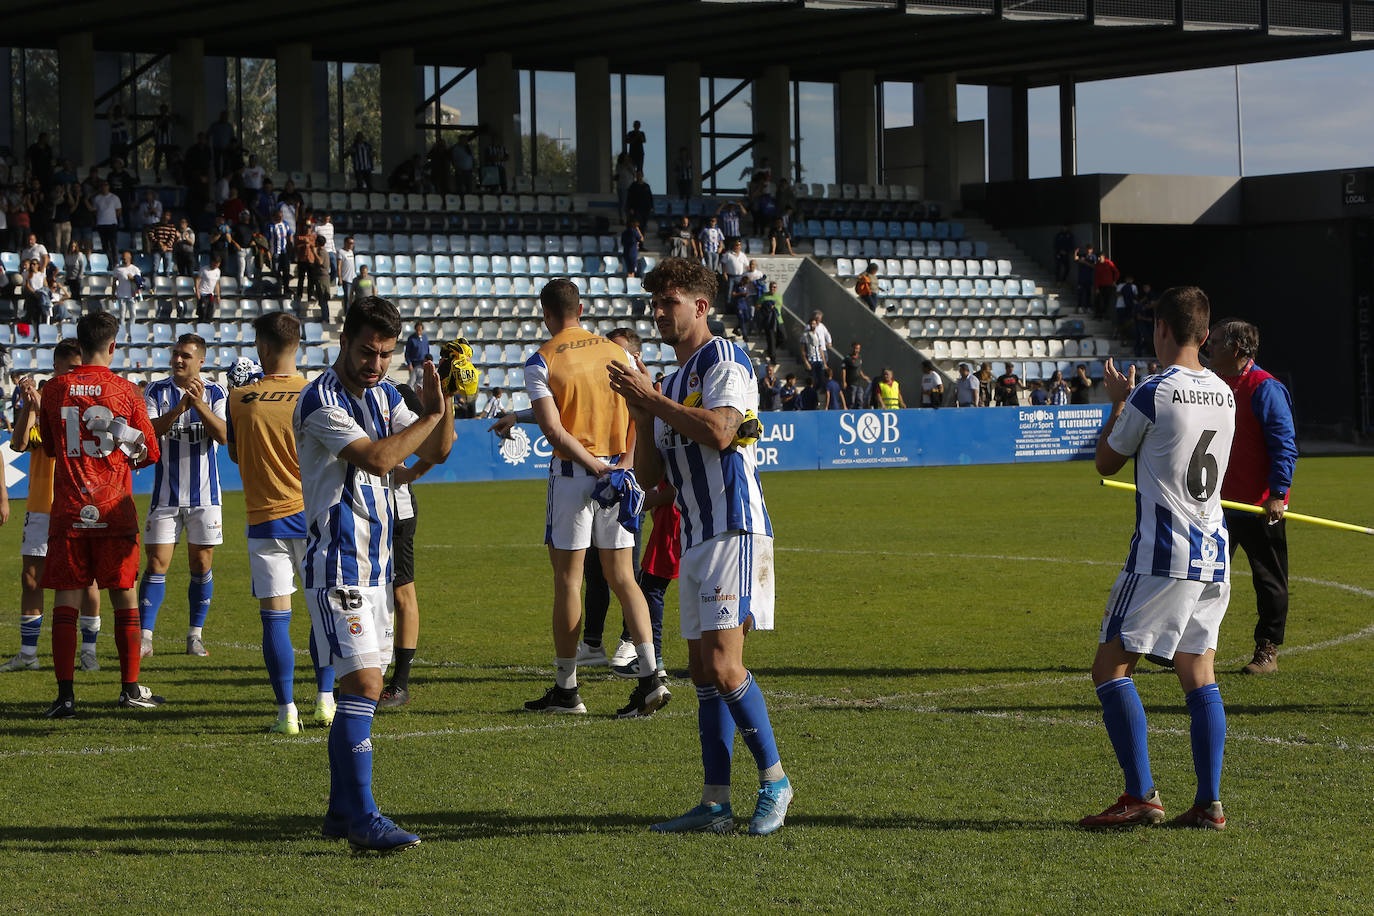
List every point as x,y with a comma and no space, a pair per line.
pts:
93,476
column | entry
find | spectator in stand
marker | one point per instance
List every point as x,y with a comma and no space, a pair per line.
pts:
815,347
1038,395
734,264
119,132
441,167
279,249
64,201
684,172
75,271
34,284
730,214
787,200
987,385
124,183
463,164
265,206
1105,277
1058,388
932,386
1009,387
40,160
318,269
1063,253
364,286
681,244
640,200
108,211
624,176
494,157
83,218
221,239
967,392
251,178
304,250
233,162
164,142
417,351
91,183
360,155
711,242
208,290
161,240
324,229
1126,294
769,388
241,251
856,383
1080,386
34,250
348,271
768,318
290,203
1145,321
1086,259
809,397
889,391
741,302
630,241
1153,368
866,287
185,249
124,283
779,239
634,144
198,168
148,214
787,394
832,398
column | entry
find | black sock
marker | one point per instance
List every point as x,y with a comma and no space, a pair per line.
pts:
400,675
65,690
130,687
592,642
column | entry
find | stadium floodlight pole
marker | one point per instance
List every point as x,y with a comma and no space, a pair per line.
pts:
1256,510
1240,137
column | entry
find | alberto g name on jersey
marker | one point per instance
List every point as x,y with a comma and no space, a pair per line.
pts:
1179,425
187,474
349,512
717,491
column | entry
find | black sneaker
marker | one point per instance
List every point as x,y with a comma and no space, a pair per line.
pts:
650,694
61,708
393,696
139,698
558,699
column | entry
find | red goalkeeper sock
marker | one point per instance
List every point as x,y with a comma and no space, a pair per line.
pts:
128,642
64,643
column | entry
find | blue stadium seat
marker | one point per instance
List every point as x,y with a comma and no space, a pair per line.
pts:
481,264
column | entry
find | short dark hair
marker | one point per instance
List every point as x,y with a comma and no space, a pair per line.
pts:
66,348
373,312
193,339
1237,334
1187,312
279,330
95,332
561,296
631,338
692,277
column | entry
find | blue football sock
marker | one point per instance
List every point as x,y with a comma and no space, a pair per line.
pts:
198,597
30,628
151,591
1208,732
751,715
717,729
1125,720
90,631
324,674
277,654
350,745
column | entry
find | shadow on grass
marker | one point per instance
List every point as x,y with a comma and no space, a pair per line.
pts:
139,835
951,671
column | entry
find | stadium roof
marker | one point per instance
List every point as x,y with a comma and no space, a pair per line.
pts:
984,41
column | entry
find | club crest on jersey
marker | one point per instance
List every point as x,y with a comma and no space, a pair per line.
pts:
355,626
89,517
694,381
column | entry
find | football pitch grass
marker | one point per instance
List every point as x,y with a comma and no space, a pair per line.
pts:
927,684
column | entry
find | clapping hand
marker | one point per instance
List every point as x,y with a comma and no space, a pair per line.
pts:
1118,386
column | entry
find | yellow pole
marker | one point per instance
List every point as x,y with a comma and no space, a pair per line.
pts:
1256,510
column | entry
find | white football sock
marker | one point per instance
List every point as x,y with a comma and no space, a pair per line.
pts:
645,651
566,675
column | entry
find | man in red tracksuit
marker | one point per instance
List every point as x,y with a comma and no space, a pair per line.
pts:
1263,454
1105,278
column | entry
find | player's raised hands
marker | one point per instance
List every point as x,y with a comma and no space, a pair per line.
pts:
28,393
432,396
633,383
195,390
1118,386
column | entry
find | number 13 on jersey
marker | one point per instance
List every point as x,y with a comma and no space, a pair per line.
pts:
96,421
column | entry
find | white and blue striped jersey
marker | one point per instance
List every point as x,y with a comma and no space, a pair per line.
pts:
717,491
187,473
1178,425
349,513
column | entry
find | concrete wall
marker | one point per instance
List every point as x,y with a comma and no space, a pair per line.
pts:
904,159
1170,199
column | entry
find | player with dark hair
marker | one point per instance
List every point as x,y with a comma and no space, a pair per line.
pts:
1263,456
34,547
262,443
588,429
703,426
352,429
1170,598
188,415
94,424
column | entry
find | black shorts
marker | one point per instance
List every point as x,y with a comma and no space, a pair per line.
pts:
403,552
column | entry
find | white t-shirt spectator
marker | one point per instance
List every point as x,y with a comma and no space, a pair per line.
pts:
252,176
124,280
38,252
734,264
150,212
107,207
326,232
207,280
348,266
929,382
